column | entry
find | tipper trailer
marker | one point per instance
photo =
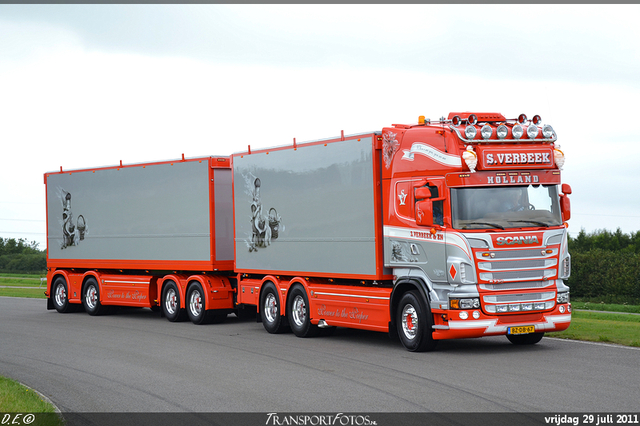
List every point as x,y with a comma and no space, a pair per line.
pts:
429,231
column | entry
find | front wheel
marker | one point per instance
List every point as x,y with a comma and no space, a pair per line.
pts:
270,315
525,339
413,322
91,297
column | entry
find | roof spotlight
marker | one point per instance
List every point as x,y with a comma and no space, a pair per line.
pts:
456,120
517,131
472,119
547,131
536,119
532,131
470,132
486,131
522,118
502,131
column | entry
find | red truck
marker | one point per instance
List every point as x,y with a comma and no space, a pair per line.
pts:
437,230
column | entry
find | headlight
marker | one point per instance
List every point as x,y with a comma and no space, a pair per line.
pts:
464,303
517,131
563,297
470,132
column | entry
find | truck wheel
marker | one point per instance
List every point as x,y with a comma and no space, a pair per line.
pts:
525,339
196,306
60,295
273,322
413,322
91,297
171,303
298,314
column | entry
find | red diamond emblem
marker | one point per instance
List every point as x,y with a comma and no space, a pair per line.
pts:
453,272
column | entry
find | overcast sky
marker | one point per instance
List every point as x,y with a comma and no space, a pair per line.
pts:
90,85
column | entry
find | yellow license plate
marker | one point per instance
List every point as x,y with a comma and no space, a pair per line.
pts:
521,330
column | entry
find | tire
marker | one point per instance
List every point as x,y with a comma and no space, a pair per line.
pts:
525,339
413,323
91,297
270,310
196,304
60,295
298,314
171,303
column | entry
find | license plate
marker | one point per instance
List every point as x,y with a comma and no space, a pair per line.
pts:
521,330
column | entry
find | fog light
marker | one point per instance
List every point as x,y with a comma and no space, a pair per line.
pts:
515,307
463,315
562,309
502,308
538,306
476,314
527,306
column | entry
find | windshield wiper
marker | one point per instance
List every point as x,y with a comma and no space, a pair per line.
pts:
495,225
546,225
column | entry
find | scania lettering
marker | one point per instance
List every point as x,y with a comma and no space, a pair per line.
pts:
436,230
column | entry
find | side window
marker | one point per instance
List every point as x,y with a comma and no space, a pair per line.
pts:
438,213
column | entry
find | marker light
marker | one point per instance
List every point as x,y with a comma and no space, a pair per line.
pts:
456,120
517,131
532,131
472,119
486,131
502,131
536,119
522,118
470,132
547,131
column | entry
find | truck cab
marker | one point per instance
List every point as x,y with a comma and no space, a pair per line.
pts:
475,224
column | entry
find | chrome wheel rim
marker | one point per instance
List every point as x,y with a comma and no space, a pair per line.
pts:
61,295
299,311
90,297
170,301
270,307
195,303
409,321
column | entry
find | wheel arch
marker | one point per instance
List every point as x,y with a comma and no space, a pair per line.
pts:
181,284
402,286
282,295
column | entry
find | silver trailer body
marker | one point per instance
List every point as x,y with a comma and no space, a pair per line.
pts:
153,216
308,210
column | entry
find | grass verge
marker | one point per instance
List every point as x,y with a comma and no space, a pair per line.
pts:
622,329
24,402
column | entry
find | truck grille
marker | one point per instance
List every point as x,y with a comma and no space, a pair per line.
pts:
497,267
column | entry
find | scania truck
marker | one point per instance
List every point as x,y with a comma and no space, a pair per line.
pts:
436,230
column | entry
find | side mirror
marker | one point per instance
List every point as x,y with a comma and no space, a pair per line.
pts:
565,207
566,188
424,212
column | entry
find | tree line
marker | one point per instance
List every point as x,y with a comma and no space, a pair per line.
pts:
21,256
605,267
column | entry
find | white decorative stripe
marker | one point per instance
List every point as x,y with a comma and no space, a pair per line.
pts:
125,282
350,295
432,153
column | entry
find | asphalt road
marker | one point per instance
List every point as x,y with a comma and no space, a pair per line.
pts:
135,361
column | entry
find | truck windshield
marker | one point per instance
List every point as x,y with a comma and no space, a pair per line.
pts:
505,207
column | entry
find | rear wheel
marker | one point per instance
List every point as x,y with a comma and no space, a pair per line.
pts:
196,304
272,320
60,295
298,312
171,303
413,322
525,339
91,297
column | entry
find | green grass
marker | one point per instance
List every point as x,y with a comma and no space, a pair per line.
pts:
601,306
10,286
16,398
622,329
